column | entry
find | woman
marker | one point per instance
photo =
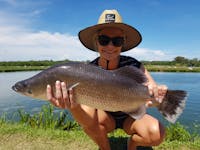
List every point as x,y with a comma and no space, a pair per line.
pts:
110,37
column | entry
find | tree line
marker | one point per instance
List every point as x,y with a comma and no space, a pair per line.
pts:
32,63
178,61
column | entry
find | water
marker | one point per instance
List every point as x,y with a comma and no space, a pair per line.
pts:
189,82
11,101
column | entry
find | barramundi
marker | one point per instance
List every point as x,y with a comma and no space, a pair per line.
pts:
122,89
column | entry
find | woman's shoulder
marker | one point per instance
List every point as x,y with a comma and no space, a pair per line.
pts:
95,61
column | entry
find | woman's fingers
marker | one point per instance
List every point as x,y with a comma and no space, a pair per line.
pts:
50,96
58,90
49,92
63,97
162,90
158,92
66,100
150,87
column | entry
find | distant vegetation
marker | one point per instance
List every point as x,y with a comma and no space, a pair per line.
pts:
31,63
179,64
178,61
10,66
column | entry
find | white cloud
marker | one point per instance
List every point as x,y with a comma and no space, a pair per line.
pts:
16,44
42,45
147,54
19,42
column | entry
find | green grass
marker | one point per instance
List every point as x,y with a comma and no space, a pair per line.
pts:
19,136
46,118
21,68
153,68
165,68
49,130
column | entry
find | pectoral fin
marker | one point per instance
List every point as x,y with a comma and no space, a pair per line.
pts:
138,113
73,85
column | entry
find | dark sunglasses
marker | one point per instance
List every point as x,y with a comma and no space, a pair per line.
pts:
105,40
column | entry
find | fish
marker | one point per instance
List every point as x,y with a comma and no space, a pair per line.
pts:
122,89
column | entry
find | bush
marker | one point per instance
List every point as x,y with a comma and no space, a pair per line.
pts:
178,132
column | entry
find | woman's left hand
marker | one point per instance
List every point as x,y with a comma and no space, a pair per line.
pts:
158,92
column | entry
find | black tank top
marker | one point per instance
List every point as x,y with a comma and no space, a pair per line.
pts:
124,61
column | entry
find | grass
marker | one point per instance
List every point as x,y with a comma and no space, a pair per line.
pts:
165,68
21,68
18,136
153,68
50,130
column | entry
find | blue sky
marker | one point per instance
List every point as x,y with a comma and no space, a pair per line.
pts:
47,29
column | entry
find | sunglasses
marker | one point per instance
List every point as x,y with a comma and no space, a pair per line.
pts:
105,40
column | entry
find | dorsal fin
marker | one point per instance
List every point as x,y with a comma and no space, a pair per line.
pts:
133,73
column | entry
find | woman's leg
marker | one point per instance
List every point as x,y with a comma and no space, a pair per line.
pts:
146,131
96,124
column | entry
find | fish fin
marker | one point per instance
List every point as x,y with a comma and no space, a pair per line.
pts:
73,85
133,73
173,104
138,113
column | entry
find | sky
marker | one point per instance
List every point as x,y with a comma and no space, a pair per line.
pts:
48,29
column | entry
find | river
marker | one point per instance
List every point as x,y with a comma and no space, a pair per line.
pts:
11,101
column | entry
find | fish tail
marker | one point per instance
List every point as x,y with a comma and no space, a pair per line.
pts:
173,104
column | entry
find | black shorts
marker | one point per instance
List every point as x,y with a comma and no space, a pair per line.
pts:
119,118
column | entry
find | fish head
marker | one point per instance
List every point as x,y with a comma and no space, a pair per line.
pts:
23,88
29,88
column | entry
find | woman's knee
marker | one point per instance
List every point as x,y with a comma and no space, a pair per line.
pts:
148,128
156,133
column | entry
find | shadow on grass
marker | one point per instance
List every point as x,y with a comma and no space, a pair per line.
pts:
120,143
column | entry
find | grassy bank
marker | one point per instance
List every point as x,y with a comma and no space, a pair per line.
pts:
18,136
165,68
21,68
49,130
153,68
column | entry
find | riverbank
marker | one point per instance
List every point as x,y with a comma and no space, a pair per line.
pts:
152,68
49,130
20,136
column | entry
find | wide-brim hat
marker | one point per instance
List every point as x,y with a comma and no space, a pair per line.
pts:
110,18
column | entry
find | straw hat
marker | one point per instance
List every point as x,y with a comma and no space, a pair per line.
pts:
110,18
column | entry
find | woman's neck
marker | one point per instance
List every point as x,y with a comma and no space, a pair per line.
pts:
109,64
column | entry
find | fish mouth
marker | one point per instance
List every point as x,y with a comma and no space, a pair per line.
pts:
14,87
18,87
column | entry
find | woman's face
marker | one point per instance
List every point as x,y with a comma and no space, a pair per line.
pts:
110,51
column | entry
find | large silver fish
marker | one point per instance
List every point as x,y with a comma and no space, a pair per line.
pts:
122,89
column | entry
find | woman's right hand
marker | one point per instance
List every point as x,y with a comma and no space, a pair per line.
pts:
63,97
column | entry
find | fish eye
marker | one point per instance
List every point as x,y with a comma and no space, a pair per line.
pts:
29,91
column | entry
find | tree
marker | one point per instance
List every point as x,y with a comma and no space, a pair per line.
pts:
181,60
